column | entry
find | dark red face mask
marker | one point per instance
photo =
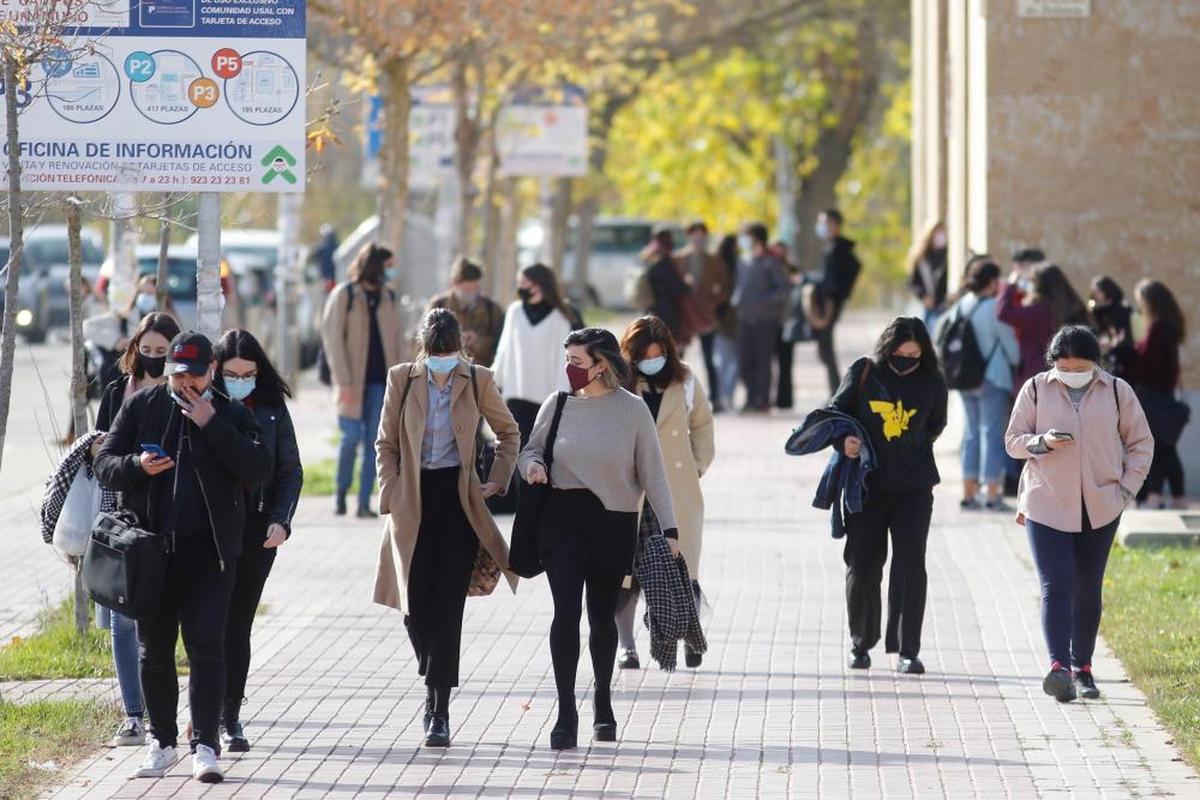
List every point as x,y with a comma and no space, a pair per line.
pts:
577,377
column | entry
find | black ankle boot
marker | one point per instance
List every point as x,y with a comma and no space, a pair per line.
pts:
604,724
565,734
430,701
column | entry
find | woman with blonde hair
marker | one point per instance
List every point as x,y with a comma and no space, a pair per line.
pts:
439,527
684,422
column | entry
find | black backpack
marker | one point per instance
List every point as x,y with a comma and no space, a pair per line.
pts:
963,363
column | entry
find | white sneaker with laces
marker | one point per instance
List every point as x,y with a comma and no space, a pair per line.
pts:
157,761
132,733
204,765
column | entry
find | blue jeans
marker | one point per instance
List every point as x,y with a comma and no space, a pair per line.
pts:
125,657
983,435
725,356
354,432
1071,568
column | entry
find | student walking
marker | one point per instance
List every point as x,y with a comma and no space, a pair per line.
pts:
711,286
1087,448
927,271
528,362
1036,302
762,289
438,524
141,366
480,316
899,397
986,406
685,433
194,498
667,291
1152,366
362,336
248,377
838,274
725,343
606,457
1114,322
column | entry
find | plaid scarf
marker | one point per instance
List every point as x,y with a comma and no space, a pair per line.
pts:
59,483
670,603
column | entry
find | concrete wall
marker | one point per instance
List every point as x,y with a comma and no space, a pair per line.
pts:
1078,135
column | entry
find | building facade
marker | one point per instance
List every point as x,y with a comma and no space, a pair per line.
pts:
1072,126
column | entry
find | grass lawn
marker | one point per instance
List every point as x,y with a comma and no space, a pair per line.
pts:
1152,620
320,478
51,733
57,651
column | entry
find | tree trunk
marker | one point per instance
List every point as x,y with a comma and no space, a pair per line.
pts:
393,164
16,234
466,145
492,221
560,223
208,266
600,126
79,420
507,259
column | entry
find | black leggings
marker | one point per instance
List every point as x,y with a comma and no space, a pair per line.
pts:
583,544
906,515
253,567
438,579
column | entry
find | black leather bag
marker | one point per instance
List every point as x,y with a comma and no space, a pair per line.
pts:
124,567
523,557
485,449
1166,415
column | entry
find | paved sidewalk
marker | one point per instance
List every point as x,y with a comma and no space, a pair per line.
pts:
335,703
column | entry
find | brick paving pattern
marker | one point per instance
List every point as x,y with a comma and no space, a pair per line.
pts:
334,707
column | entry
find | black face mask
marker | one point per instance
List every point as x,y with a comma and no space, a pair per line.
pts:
903,364
153,366
524,294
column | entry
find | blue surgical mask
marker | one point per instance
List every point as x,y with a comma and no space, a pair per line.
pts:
240,388
391,273
179,401
652,366
822,230
146,304
442,365
745,245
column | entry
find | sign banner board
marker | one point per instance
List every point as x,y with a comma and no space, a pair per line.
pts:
1054,8
168,96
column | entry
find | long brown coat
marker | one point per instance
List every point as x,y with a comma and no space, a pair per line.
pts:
399,462
686,438
712,289
346,337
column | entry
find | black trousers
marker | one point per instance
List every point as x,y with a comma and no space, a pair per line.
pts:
525,414
906,516
584,545
825,352
707,347
253,567
785,352
756,347
196,599
1166,468
438,579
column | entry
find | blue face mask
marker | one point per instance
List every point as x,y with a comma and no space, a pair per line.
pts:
746,245
652,366
442,365
821,229
179,401
391,273
239,388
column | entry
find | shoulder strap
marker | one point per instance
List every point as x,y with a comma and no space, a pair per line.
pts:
1117,400
862,376
558,410
349,296
478,408
404,395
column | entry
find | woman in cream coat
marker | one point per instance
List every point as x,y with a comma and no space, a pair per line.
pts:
438,521
684,420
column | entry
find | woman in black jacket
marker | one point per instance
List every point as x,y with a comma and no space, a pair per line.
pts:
899,397
248,377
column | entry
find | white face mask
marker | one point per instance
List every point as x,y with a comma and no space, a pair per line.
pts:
939,240
1075,380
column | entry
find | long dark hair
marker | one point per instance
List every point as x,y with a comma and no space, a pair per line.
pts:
369,265
547,281
1109,288
154,322
641,333
1162,307
270,389
1051,286
899,331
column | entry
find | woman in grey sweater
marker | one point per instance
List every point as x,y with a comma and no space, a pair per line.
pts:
606,457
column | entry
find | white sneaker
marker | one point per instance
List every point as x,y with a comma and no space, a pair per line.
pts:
132,733
204,765
157,761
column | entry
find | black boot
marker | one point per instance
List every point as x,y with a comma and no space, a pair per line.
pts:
438,734
604,725
233,738
565,733
340,506
429,704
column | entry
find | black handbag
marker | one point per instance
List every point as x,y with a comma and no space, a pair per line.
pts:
523,557
1166,415
124,567
485,449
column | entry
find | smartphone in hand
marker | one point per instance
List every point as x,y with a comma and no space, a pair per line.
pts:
1061,435
154,450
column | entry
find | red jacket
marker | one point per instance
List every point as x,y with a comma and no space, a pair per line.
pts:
1034,326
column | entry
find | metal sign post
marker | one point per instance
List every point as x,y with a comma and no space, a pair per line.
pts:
209,300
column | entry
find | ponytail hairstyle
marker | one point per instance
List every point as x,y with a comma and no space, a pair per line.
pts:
440,334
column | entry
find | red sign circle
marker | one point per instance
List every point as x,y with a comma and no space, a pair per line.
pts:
227,63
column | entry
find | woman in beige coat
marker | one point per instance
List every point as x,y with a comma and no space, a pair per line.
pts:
685,432
438,520
361,334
